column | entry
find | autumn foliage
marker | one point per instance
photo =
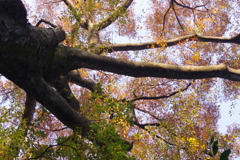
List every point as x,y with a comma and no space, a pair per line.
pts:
172,114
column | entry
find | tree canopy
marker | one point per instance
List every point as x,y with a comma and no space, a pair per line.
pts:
118,79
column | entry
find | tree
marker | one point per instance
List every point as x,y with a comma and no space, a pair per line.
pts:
107,120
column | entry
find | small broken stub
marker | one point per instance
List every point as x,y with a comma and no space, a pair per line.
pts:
59,32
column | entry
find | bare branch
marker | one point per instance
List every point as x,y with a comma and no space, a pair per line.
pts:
164,96
175,13
56,130
47,22
172,42
172,2
164,17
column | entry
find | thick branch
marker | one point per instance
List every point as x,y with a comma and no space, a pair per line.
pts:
172,42
59,107
78,59
49,98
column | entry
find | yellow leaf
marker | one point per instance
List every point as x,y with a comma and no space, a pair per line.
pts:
196,57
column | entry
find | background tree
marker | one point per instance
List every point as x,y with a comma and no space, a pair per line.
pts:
90,106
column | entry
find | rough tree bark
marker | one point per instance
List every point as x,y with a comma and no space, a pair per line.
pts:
33,58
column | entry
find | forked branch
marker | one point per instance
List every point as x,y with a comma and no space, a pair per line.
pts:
171,6
71,5
105,22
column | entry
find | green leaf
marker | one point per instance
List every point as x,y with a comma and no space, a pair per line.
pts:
215,147
225,154
212,140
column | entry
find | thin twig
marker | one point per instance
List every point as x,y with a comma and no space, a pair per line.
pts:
50,146
164,17
175,13
55,130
